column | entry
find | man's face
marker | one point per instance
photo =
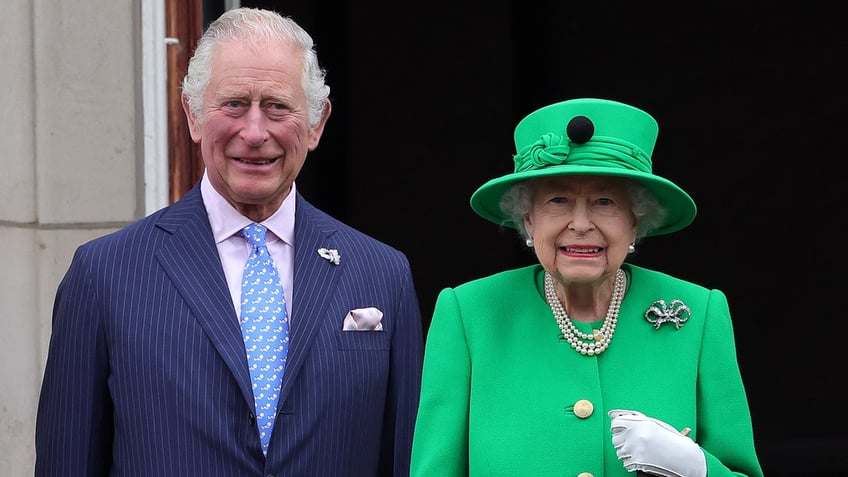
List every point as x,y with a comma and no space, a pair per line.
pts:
254,132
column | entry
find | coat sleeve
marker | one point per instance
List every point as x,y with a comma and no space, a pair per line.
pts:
445,396
405,381
724,420
74,398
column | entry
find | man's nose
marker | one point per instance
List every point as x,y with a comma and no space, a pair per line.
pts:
255,131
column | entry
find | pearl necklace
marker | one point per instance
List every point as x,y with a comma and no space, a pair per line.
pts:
597,341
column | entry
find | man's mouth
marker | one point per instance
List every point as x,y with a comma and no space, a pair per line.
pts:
257,162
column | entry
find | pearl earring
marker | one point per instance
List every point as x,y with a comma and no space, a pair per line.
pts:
529,242
631,248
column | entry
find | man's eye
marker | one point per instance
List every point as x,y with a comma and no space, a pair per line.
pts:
276,110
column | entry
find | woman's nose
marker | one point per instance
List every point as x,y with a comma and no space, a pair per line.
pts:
580,218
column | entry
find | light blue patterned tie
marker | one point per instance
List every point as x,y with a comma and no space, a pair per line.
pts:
265,326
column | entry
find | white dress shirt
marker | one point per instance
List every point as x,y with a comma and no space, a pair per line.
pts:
233,249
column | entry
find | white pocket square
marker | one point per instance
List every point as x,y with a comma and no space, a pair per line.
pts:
363,319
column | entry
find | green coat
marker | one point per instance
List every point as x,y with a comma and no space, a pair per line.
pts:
503,395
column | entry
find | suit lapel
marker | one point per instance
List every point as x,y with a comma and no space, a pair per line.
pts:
315,281
190,258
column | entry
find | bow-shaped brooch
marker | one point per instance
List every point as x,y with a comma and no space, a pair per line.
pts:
331,255
677,312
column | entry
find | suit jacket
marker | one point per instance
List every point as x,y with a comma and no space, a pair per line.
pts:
503,395
147,374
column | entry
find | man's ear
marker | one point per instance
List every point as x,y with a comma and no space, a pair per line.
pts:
193,123
316,131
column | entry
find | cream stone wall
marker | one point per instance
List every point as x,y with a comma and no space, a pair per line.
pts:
72,150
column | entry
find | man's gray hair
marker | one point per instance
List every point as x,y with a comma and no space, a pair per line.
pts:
253,24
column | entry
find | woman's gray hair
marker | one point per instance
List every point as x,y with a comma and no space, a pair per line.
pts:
253,24
648,211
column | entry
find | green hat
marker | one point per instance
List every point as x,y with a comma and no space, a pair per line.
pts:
587,137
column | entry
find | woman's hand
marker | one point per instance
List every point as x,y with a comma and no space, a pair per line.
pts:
649,445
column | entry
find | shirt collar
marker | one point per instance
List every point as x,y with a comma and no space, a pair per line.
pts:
226,221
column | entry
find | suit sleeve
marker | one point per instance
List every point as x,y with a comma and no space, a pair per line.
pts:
406,358
73,434
440,445
724,420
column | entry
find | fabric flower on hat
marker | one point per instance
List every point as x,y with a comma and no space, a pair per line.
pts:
549,150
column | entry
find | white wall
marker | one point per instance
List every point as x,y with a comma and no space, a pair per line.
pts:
73,137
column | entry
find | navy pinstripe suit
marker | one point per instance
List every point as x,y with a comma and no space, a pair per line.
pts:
147,375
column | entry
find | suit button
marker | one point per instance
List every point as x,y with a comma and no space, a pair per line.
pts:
251,418
583,409
585,474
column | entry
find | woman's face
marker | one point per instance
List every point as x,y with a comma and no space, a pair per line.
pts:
581,226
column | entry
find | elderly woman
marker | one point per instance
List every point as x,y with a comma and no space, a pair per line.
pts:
583,364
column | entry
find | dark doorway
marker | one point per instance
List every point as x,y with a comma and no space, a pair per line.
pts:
750,101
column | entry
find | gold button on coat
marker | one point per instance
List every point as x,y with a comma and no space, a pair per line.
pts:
583,408
585,474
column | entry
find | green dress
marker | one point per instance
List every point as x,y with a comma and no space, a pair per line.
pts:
503,395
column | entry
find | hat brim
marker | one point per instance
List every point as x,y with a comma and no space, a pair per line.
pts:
681,208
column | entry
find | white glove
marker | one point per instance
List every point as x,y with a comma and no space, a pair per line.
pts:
646,444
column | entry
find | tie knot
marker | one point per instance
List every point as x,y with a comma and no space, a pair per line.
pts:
255,235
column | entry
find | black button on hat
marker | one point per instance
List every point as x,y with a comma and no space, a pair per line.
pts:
580,129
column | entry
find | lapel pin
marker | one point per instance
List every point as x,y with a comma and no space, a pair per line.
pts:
331,255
